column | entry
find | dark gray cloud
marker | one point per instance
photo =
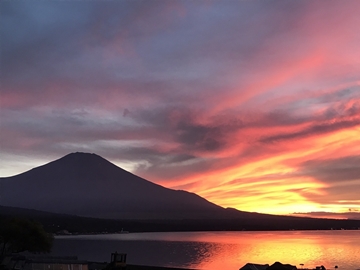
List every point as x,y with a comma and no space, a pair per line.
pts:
341,194
200,137
313,130
341,177
335,170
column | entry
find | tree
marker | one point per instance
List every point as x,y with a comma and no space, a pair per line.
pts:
18,235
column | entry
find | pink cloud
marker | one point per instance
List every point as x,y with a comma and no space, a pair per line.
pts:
229,100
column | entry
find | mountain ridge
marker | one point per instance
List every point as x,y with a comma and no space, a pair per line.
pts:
88,185
85,193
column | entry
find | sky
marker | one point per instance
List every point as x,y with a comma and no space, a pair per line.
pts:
253,105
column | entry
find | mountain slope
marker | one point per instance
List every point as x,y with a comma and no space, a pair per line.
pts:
88,185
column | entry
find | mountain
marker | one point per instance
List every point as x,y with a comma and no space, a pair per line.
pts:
88,185
84,193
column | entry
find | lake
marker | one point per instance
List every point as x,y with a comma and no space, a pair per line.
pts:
219,250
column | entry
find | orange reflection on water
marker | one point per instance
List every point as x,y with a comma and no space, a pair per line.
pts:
233,250
222,250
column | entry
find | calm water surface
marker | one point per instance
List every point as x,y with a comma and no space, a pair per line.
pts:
220,250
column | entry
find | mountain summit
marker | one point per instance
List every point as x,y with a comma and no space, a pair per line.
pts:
88,185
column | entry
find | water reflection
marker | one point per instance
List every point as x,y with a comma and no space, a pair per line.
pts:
308,248
221,250
149,252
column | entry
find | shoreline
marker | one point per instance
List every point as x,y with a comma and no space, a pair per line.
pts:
135,232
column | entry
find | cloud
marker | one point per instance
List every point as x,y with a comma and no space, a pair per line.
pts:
341,179
241,102
345,215
313,130
333,170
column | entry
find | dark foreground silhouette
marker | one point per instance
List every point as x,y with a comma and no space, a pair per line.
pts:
60,223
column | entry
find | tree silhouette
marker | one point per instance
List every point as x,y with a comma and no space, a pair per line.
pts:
18,235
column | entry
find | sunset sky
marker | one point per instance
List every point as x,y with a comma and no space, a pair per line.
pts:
250,104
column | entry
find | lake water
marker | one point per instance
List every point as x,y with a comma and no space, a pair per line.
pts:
220,250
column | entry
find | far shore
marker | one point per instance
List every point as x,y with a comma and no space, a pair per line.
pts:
117,233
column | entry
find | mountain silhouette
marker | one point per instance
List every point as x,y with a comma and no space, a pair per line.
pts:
83,192
88,185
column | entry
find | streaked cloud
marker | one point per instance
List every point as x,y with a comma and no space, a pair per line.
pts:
253,105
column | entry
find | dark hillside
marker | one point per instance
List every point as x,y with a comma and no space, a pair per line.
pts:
74,224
